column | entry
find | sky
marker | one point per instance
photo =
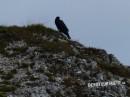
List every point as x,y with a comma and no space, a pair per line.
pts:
97,23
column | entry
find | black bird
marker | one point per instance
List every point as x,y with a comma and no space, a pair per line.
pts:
62,27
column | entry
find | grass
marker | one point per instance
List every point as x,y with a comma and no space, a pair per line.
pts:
5,82
7,88
57,47
94,53
3,44
116,69
9,75
17,51
2,94
100,56
15,33
26,33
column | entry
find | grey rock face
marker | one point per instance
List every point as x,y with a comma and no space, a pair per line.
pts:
35,71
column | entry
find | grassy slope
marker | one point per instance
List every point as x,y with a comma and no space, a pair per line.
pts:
26,33
15,33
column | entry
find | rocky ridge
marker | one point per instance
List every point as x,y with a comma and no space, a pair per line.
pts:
36,61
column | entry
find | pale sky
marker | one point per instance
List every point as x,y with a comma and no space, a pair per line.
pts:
98,23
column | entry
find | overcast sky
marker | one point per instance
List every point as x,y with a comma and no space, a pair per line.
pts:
98,23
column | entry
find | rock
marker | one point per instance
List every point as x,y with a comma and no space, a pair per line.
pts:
35,63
